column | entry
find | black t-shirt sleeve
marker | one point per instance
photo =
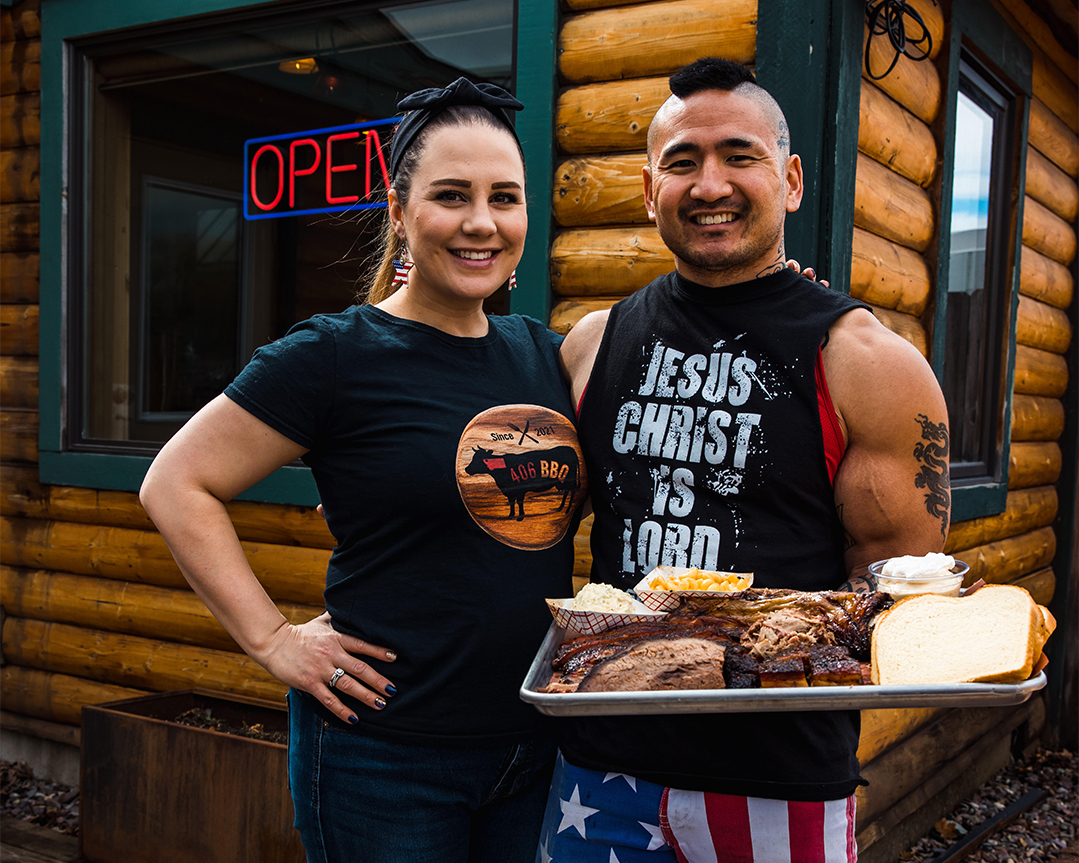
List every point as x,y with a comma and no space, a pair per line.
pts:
289,383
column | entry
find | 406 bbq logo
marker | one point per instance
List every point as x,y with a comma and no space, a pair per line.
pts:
521,474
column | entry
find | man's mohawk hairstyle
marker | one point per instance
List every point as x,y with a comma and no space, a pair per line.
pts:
709,73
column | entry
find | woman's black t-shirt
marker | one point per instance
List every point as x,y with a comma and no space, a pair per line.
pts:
381,404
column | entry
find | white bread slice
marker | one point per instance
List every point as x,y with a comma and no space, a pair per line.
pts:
995,635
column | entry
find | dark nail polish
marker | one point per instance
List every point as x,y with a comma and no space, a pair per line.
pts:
354,719
380,703
391,689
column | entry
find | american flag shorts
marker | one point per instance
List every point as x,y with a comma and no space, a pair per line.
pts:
595,817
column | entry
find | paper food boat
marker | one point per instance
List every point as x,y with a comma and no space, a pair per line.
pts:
595,622
666,600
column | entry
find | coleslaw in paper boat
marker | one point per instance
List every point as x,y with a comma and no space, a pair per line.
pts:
595,622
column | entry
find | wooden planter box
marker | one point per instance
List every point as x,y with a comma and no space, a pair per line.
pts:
156,791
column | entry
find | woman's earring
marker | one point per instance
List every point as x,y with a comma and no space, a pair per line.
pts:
400,270
513,280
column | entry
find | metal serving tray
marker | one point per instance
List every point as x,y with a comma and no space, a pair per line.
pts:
758,700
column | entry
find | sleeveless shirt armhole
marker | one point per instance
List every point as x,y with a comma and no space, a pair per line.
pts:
580,401
834,448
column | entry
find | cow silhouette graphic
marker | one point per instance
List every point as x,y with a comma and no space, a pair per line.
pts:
516,474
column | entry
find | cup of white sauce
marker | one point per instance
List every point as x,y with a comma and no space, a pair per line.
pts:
911,575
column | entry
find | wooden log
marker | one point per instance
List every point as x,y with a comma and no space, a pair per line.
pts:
117,606
20,172
1006,560
1026,510
1042,326
1046,232
600,190
607,262
126,660
1051,86
583,5
959,747
1033,29
20,120
608,117
21,63
55,697
1041,586
893,136
19,277
18,382
582,554
18,435
903,325
914,84
281,524
57,732
1053,138
654,38
18,330
289,574
22,21
1043,279
932,16
1040,373
1037,418
890,206
20,227
884,728
887,274
1050,186
565,315
903,768
1033,464
21,494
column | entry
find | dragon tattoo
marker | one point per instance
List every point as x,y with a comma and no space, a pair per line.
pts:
932,452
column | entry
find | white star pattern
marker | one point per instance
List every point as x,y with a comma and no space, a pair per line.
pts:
574,814
613,859
544,854
657,841
630,780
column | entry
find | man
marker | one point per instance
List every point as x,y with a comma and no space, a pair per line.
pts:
737,416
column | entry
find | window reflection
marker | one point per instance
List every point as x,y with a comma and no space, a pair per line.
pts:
978,279
177,289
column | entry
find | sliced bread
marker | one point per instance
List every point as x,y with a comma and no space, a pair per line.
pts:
995,635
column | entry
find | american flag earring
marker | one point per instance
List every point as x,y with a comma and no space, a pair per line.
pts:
513,280
400,273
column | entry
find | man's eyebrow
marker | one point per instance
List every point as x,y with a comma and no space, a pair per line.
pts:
679,148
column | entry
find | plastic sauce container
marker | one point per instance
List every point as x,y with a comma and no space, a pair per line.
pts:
900,586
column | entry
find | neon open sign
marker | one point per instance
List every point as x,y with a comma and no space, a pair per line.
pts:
319,171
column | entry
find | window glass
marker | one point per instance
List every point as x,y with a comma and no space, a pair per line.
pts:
978,279
173,289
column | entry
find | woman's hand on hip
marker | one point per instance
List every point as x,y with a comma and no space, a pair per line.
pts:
307,656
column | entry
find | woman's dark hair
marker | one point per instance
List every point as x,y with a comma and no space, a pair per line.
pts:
380,277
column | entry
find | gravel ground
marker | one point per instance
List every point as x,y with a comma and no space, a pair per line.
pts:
1039,836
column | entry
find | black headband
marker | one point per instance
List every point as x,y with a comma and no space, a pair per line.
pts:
424,105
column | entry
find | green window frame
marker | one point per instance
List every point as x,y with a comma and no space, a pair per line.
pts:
819,91
64,20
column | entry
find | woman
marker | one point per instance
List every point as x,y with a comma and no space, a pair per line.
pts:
421,419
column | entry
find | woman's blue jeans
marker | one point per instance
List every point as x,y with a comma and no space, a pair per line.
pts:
363,800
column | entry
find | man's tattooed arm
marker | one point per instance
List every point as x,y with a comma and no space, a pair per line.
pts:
863,583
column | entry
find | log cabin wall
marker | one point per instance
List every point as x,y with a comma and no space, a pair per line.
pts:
94,608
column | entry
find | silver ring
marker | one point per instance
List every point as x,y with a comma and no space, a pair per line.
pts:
337,675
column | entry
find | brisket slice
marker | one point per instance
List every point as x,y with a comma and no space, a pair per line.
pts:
659,664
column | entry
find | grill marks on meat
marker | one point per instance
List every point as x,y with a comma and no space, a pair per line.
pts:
768,638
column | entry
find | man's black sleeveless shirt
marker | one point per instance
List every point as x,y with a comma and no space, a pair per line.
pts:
702,433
